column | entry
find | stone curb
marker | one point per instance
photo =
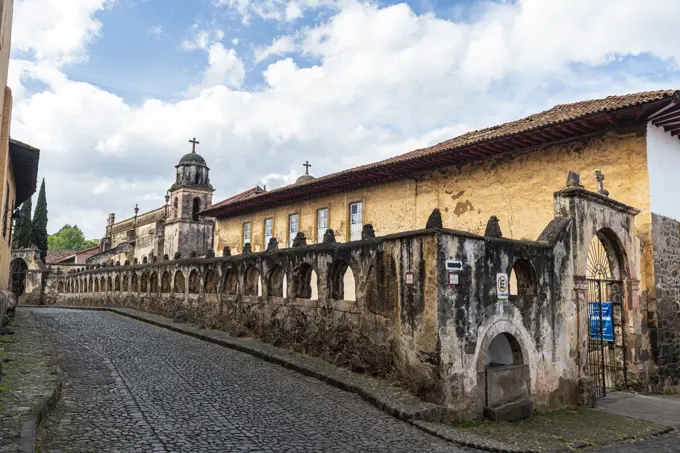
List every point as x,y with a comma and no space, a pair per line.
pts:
29,428
421,419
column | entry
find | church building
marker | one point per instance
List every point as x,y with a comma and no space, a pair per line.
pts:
176,229
509,171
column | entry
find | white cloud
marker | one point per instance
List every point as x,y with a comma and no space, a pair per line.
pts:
156,31
386,81
278,10
56,32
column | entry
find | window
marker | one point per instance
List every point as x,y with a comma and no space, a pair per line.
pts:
196,209
268,231
246,233
356,221
321,224
4,218
175,207
293,228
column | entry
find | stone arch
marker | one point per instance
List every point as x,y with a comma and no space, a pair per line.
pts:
305,282
116,283
523,279
503,350
194,282
109,284
179,284
96,285
276,282
231,282
76,287
341,281
134,283
90,287
252,285
144,283
606,255
102,284
502,326
60,287
126,283
153,283
210,285
166,283
195,207
382,286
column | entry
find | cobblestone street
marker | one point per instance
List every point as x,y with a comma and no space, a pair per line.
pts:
133,387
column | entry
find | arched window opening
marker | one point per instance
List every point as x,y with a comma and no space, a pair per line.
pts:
341,282
194,282
504,350
196,209
523,281
134,284
90,288
96,285
179,287
126,283
109,284
231,282
175,207
275,282
60,287
251,284
197,177
210,286
153,283
165,282
102,285
144,285
305,282
76,288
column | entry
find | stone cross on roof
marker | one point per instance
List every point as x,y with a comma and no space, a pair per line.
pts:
307,165
600,184
194,142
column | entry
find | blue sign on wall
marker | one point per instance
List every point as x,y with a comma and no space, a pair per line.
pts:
607,324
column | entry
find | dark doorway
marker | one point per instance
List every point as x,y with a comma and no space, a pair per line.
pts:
18,269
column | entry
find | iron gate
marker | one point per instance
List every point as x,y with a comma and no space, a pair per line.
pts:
607,343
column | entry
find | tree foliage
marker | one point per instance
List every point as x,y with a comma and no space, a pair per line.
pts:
39,225
70,238
22,228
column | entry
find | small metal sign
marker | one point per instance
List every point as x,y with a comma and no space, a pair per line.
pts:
502,286
409,278
453,265
453,278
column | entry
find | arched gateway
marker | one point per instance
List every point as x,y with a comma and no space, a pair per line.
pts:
605,270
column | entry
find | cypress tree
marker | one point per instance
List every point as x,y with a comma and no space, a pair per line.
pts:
39,230
23,227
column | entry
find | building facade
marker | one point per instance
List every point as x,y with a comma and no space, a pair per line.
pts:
504,171
173,230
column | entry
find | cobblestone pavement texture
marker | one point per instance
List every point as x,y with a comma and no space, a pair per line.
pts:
133,387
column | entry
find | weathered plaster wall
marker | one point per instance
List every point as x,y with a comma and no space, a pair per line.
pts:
666,235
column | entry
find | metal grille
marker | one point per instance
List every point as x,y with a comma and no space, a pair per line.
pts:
607,343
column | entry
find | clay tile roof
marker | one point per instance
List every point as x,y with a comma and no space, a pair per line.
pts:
239,196
559,114
54,256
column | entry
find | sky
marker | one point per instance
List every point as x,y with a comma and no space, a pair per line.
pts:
111,91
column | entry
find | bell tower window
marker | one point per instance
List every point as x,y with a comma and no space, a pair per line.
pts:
196,209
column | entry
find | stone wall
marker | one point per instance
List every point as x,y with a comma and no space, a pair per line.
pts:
666,237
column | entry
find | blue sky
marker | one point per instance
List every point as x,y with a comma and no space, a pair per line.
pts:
112,90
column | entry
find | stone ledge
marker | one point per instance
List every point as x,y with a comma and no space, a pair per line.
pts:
29,429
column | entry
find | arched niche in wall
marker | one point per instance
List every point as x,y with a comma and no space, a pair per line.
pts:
305,282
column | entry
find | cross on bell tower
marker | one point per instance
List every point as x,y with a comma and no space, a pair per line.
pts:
600,184
194,142
307,165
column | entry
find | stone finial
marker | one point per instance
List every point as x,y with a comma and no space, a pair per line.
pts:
193,254
300,240
166,257
177,256
600,184
329,236
367,232
117,263
493,228
145,260
127,263
226,251
574,179
135,261
435,220
210,253
154,258
273,244
247,248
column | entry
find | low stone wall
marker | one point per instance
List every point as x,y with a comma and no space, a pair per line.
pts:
666,246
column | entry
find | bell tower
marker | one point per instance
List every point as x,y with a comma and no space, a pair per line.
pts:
186,230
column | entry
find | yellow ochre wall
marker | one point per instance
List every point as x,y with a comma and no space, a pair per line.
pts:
5,167
517,188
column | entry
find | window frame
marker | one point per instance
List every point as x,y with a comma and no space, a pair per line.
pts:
264,232
349,220
291,237
319,234
250,233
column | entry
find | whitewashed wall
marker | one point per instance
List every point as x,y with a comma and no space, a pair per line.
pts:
663,161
